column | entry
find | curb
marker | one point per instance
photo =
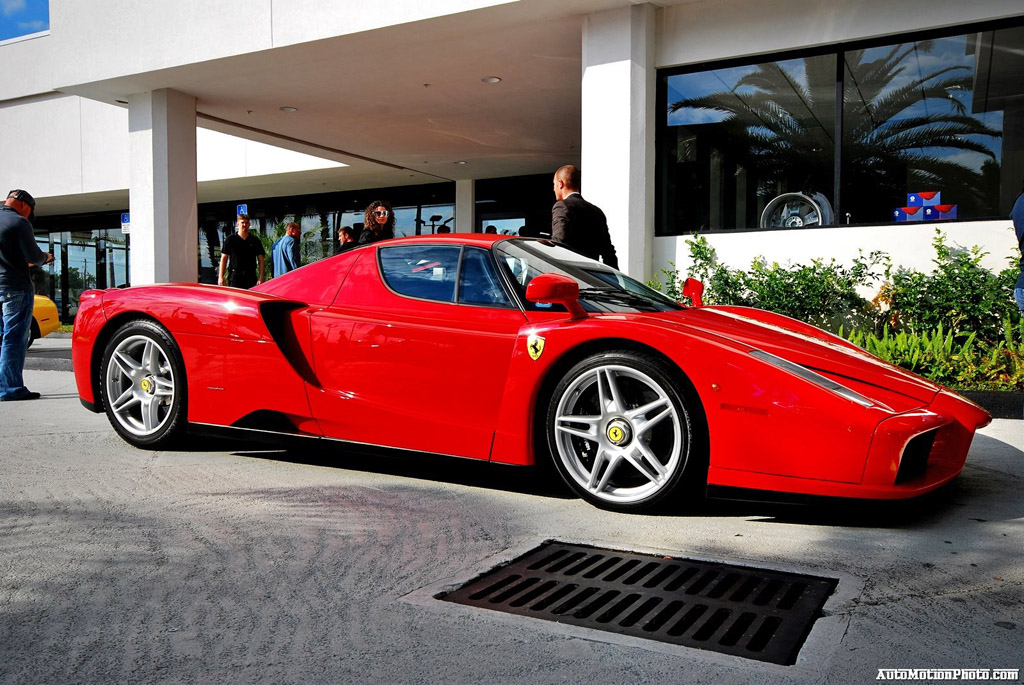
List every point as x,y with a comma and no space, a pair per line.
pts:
1001,405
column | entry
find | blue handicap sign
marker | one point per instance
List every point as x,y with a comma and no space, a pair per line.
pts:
242,209
125,218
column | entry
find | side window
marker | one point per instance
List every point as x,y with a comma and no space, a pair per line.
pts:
423,271
522,272
479,282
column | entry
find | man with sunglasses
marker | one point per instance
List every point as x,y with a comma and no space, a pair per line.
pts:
18,253
378,223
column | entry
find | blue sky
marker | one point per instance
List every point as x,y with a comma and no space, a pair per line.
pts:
22,17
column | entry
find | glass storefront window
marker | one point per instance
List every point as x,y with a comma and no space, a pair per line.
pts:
211,237
115,252
406,219
931,130
320,226
738,138
81,273
58,293
41,274
915,121
505,226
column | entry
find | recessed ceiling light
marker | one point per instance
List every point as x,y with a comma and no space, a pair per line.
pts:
461,161
491,79
289,109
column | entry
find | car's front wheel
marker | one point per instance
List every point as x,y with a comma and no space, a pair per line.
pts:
620,432
142,385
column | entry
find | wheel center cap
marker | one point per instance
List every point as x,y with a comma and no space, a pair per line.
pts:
147,385
618,432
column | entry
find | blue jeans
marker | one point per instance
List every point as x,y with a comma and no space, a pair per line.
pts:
15,328
1018,292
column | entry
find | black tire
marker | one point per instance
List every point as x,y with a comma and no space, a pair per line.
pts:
632,445
142,385
33,335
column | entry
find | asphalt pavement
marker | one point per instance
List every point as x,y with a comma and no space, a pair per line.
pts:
52,353
236,562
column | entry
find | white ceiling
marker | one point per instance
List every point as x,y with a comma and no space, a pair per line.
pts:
400,105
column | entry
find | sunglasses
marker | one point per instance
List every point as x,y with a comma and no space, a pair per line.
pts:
381,212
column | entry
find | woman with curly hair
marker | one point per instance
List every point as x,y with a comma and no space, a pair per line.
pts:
378,223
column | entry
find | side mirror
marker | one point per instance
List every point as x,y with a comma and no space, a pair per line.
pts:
558,289
694,289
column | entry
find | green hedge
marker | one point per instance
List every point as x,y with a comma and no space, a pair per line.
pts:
958,325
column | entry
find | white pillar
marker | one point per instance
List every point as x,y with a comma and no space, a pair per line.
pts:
617,157
162,189
465,206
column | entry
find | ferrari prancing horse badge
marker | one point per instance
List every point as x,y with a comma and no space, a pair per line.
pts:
535,346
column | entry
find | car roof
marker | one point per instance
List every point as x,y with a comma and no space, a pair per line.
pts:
480,239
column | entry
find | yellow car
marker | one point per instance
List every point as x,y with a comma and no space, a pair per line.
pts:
45,319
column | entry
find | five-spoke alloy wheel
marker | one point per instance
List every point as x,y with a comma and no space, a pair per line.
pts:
619,431
142,384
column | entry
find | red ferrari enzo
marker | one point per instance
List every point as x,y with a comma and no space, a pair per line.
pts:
518,350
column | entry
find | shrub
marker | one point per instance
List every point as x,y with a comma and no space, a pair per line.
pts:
821,293
958,325
960,294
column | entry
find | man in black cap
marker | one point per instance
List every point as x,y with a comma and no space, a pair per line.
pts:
18,253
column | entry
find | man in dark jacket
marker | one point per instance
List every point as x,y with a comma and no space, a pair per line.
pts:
577,223
18,252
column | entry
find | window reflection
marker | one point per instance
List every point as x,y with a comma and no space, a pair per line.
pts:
737,138
913,123
932,129
80,274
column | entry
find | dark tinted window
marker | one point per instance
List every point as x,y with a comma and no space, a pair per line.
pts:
744,146
423,271
930,130
479,282
924,125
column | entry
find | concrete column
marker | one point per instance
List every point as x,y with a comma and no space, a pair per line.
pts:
162,188
465,206
618,128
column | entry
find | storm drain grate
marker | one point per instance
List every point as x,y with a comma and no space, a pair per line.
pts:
749,612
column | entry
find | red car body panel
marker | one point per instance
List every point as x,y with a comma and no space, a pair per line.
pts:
338,353
446,364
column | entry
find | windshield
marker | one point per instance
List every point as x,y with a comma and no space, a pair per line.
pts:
602,288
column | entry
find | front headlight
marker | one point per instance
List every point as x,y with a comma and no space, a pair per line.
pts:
812,377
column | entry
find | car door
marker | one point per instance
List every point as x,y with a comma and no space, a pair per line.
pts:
414,351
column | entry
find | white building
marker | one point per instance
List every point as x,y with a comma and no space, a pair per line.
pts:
683,115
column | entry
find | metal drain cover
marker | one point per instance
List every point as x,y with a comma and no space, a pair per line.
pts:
743,611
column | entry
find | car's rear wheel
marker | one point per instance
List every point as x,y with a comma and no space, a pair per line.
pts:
142,385
619,431
33,335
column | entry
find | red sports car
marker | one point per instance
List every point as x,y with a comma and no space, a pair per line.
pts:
518,350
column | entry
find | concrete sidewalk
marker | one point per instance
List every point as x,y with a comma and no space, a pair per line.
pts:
232,562
52,353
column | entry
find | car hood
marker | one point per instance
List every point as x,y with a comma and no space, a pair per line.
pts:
801,344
